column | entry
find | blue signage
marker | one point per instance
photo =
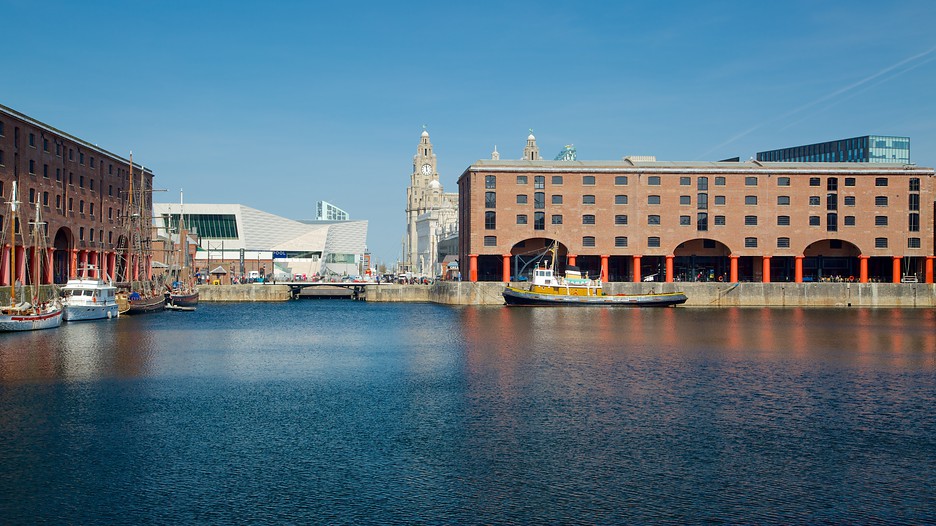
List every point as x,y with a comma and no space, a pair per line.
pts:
277,254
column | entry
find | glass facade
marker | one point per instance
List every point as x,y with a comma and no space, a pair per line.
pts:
215,226
867,149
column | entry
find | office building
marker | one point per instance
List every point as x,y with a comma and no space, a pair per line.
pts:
866,149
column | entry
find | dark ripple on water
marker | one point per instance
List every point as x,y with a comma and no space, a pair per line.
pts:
340,412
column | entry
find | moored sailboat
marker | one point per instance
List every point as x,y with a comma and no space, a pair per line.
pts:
39,313
140,295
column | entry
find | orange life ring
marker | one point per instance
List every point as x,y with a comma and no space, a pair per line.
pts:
721,278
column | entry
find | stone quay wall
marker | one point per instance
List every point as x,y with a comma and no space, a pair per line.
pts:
699,294
243,293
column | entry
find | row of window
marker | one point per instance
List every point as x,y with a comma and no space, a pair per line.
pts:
539,200
749,242
539,218
81,232
539,181
46,200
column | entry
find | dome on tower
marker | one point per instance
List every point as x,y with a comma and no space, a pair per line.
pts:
425,133
435,185
531,138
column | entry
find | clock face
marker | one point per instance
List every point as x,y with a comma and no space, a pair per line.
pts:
426,169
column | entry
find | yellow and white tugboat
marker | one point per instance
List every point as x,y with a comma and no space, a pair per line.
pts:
574,289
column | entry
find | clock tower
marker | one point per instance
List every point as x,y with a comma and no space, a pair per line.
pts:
426,205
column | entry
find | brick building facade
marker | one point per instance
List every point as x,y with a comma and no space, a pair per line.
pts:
83,192
699,221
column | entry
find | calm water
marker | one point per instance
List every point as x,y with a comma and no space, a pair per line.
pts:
348,412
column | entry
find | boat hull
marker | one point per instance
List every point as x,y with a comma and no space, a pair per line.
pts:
90,312
147,305
30,322
520,297
184,299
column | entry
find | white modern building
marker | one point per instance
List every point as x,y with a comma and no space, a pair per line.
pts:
325,211
242,239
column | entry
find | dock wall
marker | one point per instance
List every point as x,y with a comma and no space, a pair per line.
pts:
700,294
243,293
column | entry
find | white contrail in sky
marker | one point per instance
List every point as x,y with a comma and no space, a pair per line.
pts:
832,95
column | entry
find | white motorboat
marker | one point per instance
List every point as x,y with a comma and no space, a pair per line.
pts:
89,299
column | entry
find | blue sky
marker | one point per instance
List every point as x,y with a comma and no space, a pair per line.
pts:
276,105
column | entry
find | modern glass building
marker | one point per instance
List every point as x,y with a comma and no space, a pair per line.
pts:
866,149
325,211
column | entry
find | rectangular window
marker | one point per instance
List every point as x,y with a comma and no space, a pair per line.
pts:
80,157
521,219
588,180
719,220
45,171
783,220
32,140
750,199
521,199
750,181
588,219
685,181
620,199
557,179
914,184
653,242
653,180
557,199
81,206
45,199
556,219
539,182
702,221
913,242
880,200
702,201
849,181
880,220
620,241
914,202
539,221
815,181
814,200
880,242
783,200
849,220
490,241
849,200
58,202
71,202
653,220
685,200
783,242
490,181
685,221
783,181
588,199
750,242
832,184
620,219
813,220
490,220
620,180
750,220
521,179
832,222
702,184
32,166
80,181
880,181
490,199
832,202
914,223
588,241
653,199
539,200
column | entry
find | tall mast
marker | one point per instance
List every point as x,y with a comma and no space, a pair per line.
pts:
13,245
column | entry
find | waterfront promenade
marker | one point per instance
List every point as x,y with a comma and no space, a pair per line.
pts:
910,295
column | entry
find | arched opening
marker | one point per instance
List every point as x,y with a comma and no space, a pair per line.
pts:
702,260
61,255
837,260
525,255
